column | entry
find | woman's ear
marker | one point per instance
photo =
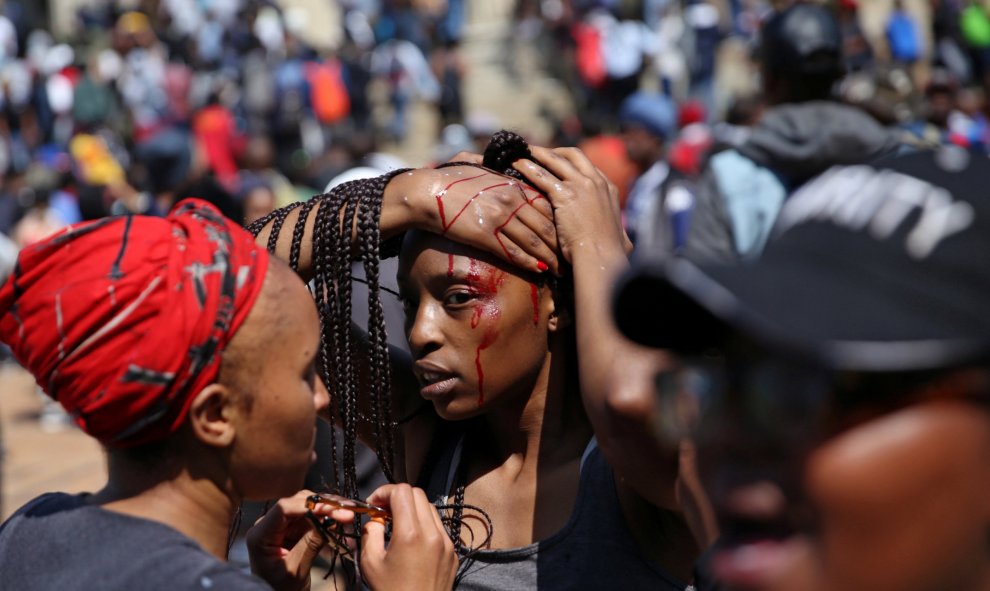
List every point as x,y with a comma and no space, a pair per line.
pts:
560,316
212,415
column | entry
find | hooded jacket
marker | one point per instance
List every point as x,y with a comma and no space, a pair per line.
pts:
749,176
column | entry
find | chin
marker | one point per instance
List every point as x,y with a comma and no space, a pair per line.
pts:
459,408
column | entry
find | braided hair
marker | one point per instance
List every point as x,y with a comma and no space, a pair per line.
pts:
357,202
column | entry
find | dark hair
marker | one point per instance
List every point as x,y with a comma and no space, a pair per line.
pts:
358,200
801,48
504,148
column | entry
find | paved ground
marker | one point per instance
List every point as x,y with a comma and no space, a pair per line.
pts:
35,460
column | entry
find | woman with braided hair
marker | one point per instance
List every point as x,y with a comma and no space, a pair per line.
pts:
498,432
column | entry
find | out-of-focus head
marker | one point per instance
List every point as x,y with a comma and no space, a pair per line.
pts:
257,198
648,119
800,54
940,95
133,29
838,387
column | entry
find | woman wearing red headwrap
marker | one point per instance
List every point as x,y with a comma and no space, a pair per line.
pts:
155,336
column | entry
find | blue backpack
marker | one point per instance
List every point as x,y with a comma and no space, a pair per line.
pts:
902,35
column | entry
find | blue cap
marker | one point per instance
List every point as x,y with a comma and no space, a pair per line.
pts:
650,110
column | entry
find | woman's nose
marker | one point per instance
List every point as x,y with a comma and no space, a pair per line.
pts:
423,332
322,396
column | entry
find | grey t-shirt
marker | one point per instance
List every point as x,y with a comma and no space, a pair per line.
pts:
57,541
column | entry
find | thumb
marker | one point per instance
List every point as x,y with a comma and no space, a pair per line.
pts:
302,554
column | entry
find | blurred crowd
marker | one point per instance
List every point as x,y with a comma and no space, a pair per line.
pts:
146,102
153,100
653,100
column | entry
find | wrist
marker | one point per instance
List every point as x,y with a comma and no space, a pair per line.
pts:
597,252
403,206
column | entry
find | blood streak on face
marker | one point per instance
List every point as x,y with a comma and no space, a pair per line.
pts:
487,280
535,292
455,325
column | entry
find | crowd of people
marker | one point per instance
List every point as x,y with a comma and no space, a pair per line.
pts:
703,350
146,101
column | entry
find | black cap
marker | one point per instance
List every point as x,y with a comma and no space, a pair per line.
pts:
872,268
803,40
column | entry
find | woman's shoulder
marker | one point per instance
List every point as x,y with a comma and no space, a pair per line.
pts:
44,505
59,541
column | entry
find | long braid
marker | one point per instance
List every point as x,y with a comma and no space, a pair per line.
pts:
326,215
377,338
331,256
278,218
342,270
297,233
257,225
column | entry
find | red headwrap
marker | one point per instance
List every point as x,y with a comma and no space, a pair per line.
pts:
122,320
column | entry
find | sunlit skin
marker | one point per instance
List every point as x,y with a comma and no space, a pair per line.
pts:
286,393
903,501
478,353
470,326
499,354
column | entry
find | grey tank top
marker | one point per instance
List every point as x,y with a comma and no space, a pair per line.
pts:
594,549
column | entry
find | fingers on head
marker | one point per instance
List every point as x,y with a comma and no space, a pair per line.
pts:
467,157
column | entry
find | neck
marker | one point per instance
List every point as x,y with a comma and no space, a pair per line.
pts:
173,495
546,428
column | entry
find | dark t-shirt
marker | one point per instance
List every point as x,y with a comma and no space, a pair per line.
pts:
57,541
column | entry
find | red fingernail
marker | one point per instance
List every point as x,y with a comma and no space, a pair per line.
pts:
541,266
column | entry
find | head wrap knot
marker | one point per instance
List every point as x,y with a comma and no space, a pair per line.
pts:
123,320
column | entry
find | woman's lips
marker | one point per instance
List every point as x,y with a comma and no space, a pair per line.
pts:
436,386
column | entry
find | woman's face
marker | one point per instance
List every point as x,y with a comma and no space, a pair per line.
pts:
477,329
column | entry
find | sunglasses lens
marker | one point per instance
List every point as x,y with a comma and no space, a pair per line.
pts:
772,396
685,395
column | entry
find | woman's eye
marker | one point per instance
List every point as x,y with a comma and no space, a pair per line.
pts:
459,298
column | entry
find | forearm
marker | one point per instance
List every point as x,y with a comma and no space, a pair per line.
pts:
295,243
600,345
617,382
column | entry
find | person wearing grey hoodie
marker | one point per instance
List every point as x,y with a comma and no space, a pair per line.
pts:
727,212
